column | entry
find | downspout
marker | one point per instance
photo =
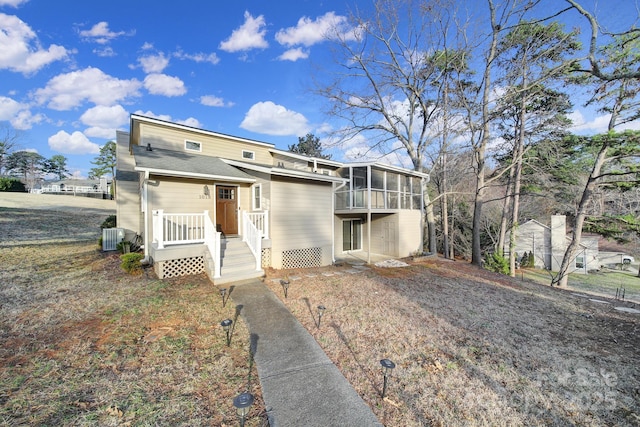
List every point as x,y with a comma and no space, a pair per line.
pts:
369,214
145,209
333,219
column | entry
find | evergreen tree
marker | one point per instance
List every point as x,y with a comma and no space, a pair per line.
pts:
309,145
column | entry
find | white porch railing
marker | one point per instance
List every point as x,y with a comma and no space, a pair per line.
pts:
253,237
177,229
212,240
261,221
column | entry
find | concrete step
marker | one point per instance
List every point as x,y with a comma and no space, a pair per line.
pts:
239,277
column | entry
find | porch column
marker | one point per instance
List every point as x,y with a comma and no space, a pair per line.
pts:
369,236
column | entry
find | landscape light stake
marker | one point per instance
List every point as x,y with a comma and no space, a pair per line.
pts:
285,286
242,403
321,309
223,292
226,325
387,366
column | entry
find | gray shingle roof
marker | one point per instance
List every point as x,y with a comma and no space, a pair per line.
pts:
185,164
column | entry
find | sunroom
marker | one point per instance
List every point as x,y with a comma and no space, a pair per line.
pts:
378,212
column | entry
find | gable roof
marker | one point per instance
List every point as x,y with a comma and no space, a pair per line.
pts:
290,173
173,163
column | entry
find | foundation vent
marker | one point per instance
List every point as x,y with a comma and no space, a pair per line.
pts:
180,267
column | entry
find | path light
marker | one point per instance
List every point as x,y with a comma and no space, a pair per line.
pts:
387,367
321,309
285,286
226,325
242,403
223,292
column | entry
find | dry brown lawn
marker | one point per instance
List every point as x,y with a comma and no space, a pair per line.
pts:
472,347
83,343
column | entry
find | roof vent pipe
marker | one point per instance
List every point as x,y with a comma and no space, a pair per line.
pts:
149,147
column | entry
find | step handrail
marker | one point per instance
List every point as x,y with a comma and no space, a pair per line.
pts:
253,238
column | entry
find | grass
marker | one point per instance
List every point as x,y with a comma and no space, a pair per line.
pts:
606,283
472,347
84,343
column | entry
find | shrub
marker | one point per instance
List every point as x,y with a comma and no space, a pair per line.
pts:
531,261
110,222
11,184
131,262
124,247
496,262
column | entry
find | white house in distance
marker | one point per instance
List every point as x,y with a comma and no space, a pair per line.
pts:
549,243
229,206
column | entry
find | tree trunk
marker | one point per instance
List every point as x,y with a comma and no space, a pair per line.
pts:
563,275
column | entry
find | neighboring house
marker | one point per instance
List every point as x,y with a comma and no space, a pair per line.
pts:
76,186
230,206
549,243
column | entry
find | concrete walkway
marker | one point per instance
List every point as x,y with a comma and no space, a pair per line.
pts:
300,384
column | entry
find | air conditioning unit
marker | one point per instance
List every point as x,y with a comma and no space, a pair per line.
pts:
111,237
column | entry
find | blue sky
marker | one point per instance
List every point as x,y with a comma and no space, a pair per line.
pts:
71,72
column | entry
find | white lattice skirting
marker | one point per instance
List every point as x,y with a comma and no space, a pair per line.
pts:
302,258
266,257
179,267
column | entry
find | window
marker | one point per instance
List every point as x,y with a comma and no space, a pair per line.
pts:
192,146
257,197
248,155
580,261
226,193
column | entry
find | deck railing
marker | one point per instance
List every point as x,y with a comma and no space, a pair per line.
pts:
178,228
261,221
187,228
253,237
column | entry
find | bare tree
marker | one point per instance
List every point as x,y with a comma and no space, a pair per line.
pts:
389,90
9,139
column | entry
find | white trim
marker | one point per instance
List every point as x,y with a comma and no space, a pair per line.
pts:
285,172
186,148
181,174
252,153
307,158
255,187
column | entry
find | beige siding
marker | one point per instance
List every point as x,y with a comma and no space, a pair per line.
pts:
301,217
409,232
292,163
174,139
128,212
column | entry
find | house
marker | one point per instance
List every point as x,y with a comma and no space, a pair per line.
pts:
100,187
549,243
230,206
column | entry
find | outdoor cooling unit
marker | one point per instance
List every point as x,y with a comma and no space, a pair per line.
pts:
111,237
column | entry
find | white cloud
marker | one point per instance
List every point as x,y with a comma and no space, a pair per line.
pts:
161,84
214,101
18,114
272,119
12,3
597,124
187,122
98,132
105,52
20,49
249,35
309,32
66,91
75,143
147,46
101,34
294,54
105,117
153,63
198,57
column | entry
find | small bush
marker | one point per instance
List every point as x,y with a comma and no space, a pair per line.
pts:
131,262
496,262
110,222
124,247
11,184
